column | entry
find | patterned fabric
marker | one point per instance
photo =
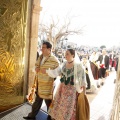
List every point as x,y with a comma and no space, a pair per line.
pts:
67,76
76,72
64,105
65,100
45,82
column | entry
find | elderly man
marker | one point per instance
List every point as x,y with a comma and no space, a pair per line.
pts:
45,88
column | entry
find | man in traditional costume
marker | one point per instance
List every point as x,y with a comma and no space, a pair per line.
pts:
44,84
103,67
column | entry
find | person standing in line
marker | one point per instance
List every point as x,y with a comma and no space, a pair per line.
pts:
91,85
112,63
103,67
116,67
70,101
94,65
45,83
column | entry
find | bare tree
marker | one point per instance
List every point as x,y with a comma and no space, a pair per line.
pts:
56,31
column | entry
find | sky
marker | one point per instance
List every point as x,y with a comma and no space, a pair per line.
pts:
99,19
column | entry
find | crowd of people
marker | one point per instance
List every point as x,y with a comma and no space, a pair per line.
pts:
78,75
98,67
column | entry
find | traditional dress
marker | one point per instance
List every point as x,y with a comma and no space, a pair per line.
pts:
104,65
91,85
65,100
112,61
94,65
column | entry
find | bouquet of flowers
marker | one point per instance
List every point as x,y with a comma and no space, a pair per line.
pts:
31,96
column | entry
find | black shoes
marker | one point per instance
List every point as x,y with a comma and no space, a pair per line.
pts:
87,88
102,83
49,117
29,118
98,86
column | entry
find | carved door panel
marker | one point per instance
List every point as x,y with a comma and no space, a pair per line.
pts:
12,52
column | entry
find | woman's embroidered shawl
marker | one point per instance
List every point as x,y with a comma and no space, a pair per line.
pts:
79,75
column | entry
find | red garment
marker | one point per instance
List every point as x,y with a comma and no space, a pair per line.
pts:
102,66
112,63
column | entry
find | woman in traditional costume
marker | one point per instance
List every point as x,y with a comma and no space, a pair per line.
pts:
94,65
112,60
91,85
70,101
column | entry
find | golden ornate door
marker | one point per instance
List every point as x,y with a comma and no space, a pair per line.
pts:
12,52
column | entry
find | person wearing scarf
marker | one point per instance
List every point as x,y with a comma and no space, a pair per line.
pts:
70,101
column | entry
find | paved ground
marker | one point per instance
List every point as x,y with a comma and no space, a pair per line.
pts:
100,104
23,111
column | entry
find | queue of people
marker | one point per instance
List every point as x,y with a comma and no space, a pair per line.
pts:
77,76
97,67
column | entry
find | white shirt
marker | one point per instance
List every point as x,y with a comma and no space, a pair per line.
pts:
103,60
43,59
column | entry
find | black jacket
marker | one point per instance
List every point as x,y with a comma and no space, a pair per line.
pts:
106,61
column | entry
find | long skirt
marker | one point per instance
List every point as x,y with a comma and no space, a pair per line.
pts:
102,73
64,105
94,70
112,63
